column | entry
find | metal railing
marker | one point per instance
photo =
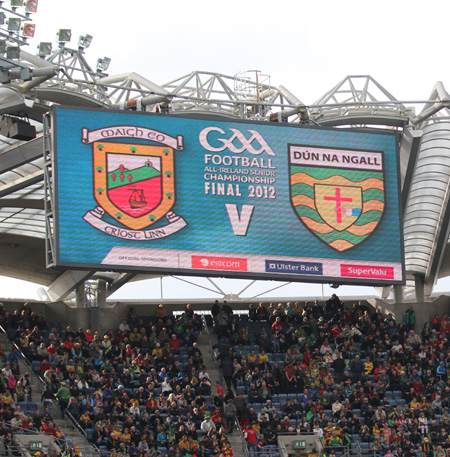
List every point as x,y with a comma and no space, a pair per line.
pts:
76,426
12,451
344,450
365,452
241,436
282,448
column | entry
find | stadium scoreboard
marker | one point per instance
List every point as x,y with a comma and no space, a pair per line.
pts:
213,197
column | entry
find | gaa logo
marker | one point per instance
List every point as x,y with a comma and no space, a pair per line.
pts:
236,137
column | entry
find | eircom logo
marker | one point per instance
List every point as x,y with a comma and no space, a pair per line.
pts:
219,263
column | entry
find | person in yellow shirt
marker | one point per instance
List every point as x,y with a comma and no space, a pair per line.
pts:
70,367
126,435
368,366
376,430
115,434
414,404
424,404
183,445
85,418
335,439
157,352
7,398
251,359
263,360
298,311
161,312
135,336
79,368
328,429
329,381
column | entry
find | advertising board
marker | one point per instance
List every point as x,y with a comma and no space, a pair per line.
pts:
214,197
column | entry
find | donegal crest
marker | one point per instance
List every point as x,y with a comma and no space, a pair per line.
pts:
337,194
133,183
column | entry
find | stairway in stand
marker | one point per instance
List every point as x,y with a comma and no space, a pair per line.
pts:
213,370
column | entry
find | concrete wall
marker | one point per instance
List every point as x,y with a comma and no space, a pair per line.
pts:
48,443
312,442
101,319
424,311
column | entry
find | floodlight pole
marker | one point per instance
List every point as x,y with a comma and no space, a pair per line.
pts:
11,37
26,16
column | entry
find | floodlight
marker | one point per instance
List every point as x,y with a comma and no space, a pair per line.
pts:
64,35
14,24
12,52
2,46
16,2
28,30
44,49
31,6
2,18
103,64
84,41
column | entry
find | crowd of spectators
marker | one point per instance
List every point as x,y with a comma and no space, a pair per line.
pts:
344,373
141,390
341,372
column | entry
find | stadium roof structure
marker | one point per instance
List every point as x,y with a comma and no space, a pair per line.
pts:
31,84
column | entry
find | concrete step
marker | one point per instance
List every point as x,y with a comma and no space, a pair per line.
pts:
236,444
205,342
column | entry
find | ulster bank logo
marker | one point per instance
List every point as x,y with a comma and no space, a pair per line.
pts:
134,184
338,194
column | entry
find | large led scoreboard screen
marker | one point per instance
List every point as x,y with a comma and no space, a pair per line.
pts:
213,197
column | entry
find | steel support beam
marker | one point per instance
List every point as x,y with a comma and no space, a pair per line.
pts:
409,151
21,154
28,203
398,293
21,183
419,284
62,286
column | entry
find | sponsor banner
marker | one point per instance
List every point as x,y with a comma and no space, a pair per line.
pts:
219,263
282,266
288,267
367,271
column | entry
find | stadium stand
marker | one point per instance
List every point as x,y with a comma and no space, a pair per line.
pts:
360,381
